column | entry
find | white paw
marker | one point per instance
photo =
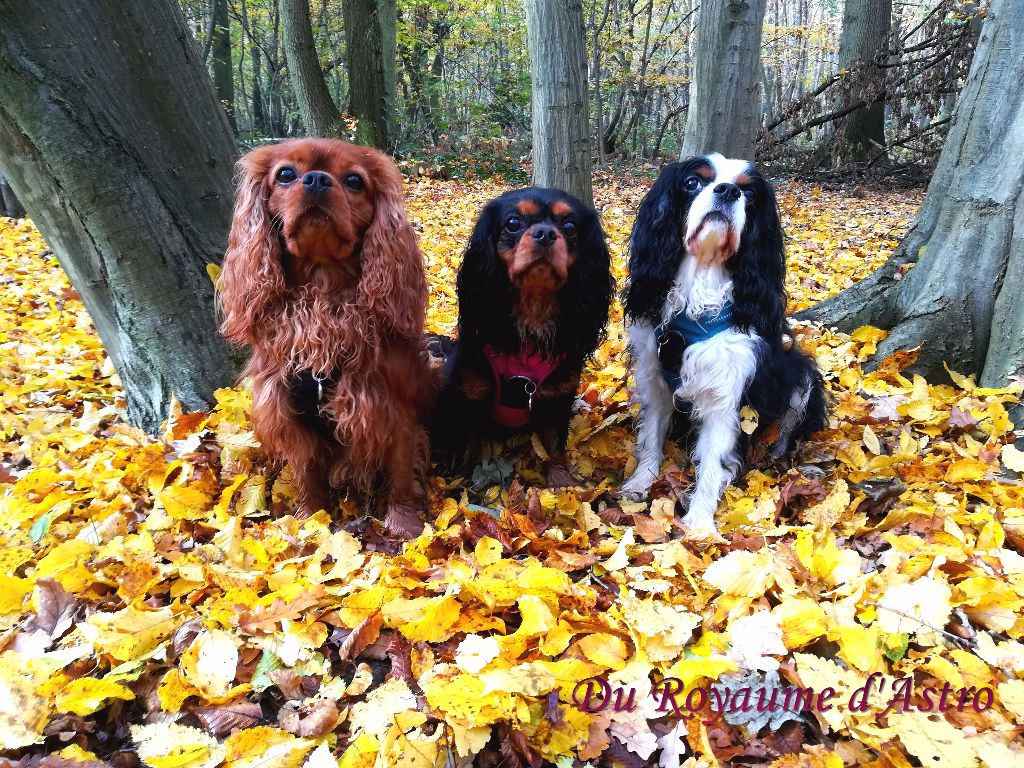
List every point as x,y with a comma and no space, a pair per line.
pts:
703,521
634,489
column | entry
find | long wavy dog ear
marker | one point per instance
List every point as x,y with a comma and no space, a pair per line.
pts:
656,245
759,269
587,295
393,285
482,283
252,278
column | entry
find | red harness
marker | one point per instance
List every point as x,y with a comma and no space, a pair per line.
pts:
516,378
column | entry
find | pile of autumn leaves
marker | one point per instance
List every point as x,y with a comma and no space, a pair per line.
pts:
158,603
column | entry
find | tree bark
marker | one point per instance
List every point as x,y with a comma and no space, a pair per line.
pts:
259,113
220,59
561,145
371,50
866,24
725,95
963,300
319,115
9,203
113,137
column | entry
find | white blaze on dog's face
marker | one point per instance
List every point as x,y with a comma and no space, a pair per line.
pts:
718,213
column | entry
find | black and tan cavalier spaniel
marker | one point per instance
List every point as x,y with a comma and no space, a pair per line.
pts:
706,313
534,290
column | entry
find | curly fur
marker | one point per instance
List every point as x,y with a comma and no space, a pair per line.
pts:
350,307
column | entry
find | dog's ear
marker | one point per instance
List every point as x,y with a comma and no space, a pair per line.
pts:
393,285
252,278
587,294
656,245
482,284
759,268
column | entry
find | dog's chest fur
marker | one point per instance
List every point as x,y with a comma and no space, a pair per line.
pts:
715,372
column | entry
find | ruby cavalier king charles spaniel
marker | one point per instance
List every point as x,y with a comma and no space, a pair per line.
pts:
324,281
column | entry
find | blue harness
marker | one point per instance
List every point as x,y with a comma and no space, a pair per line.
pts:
680,332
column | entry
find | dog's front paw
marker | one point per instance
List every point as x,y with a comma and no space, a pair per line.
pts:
634,489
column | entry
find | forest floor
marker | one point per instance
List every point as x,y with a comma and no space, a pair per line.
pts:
157,602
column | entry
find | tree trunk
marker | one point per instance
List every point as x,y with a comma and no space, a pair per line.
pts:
866,24
259,114
220,59
319,115
725,95
963,300
561,145
9,203
371,49
112,136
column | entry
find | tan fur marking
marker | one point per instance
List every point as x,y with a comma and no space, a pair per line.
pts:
561,208
528,207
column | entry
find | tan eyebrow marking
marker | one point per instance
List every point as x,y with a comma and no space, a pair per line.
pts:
527,207
561,208
705,172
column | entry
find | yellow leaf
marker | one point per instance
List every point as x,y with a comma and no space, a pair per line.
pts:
487,551
606,650
169,745
932,740
185,502
129,633
423,619
871,441
89,694
748,419
213,270
746,574
868,333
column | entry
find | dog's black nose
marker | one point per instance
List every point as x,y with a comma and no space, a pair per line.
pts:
728,192
316,181
544,234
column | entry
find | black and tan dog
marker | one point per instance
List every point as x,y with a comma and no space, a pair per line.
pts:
534,290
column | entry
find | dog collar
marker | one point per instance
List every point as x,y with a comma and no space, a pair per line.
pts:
517,377
680,331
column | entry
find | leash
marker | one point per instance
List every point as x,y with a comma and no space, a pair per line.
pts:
517,377
680,331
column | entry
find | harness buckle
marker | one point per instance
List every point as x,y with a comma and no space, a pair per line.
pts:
319,379
529,389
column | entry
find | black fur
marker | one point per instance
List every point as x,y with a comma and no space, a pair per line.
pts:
487,305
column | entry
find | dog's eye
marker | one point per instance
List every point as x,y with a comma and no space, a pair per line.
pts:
514,224
748,196
693,183
286,175
354,182
569,227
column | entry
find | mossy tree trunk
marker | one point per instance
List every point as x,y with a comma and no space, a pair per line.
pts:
962,301
558,55
866,25
112,136
317,111
725,95
371,28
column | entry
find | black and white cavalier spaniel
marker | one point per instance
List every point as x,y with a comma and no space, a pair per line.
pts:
534,290
706,316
